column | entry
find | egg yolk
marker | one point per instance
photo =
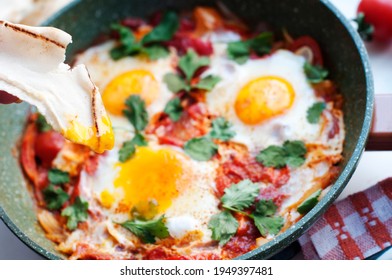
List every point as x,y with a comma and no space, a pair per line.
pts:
138,81
88,136
263,98
149,180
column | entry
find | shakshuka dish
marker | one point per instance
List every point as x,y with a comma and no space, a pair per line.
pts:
225,136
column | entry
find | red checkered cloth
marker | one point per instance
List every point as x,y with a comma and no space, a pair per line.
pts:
356,227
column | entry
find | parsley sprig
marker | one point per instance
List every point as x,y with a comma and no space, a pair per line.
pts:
292,153
147,230
204,148
54,195
174,109
43,125
189,64
75,213
240,51
137,114
237,198
314,112
315,73
150,44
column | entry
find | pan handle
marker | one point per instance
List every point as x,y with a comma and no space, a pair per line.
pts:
380,137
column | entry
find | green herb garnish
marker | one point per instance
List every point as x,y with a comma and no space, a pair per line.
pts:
292,153
201,149
43,125
174,109
314,112
364,29
265,219
147,231
129,147
240,51
189,64
315,73
150,44
221,129
75,213
204,148
54,197
237,198
223,226
309,203
58,177
136,112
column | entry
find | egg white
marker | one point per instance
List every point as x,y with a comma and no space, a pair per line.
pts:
104,69
290,125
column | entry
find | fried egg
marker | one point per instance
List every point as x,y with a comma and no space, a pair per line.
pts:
157,180
266,99
119,79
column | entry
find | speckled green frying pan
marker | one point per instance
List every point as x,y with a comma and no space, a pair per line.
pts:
345,57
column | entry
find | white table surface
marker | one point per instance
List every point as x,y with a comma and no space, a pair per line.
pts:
373,166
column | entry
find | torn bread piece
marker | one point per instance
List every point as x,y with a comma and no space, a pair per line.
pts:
33,69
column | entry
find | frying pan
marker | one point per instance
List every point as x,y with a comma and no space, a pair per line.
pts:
345,57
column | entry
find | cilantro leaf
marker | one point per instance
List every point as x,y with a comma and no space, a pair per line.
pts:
139,140
43,125
223,226
271,225
77,212
190,62
147,231
272,156
364,29
264,218
200,149
174,109
262,43
155,52
239,51
315,73
296,151
127,150
164,31
240,196
129,147
309,203
208,83
149,44
175,83
58,177
128,44
221,129
136,112
295,148
266,208
315,111
54,197
292,153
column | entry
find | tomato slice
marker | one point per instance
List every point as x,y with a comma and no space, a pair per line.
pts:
47,146
307,41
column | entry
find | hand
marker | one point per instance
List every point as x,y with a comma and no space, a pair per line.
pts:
6,98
